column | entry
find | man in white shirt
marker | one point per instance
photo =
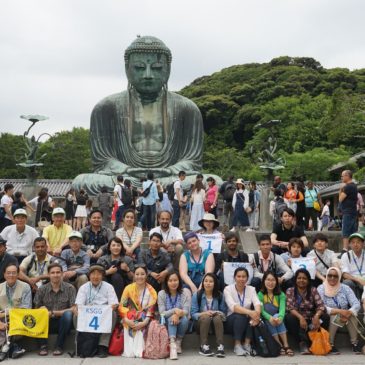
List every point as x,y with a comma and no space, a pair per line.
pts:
353,265
98,292
19,236
172,237
118,191
178,198
265,260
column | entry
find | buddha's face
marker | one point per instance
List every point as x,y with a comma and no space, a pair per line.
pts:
148,72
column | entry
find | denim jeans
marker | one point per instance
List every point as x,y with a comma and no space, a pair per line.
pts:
176,215
149,214
60,325
119,215
180,329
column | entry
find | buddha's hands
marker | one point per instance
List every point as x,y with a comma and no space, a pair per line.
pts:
140,171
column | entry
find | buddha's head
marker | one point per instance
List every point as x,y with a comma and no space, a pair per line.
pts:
147,65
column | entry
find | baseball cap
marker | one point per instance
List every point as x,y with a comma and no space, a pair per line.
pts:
358,235
20,212
75,234
58,211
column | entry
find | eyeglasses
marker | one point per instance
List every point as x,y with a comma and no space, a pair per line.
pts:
139,265
330,276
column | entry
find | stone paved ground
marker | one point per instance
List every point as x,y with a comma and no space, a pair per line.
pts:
192,358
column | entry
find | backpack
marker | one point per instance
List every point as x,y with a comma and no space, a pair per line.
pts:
263,342
157,342
146,192
243,257
280,205
170,191
229,192
87,344
272,267
127,196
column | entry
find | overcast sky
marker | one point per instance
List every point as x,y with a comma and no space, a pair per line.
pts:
60,57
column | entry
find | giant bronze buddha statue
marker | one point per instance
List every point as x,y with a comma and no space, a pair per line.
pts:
145,128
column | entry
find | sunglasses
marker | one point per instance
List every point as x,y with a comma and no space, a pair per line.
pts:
330,276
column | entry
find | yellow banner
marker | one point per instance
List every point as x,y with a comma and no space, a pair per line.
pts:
28,322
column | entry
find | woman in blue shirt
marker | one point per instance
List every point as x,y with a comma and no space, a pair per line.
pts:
209,308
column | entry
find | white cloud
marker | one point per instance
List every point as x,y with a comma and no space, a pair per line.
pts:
59,57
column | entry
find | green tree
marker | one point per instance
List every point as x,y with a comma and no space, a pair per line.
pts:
12,151
68,154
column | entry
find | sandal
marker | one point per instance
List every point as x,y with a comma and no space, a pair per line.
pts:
43,351
288,351
57,352
282,352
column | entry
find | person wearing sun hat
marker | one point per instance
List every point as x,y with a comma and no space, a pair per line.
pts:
19,236
209,224
353,264
57,233
240,204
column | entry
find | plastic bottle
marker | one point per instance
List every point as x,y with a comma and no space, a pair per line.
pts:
263,346
162,319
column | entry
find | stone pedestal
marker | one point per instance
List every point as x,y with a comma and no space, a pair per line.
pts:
248,241
265,218
31,190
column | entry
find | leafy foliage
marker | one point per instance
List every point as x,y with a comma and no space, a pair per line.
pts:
322,113
320,109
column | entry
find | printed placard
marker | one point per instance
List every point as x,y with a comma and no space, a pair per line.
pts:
304,263
94,318
230,267
212,242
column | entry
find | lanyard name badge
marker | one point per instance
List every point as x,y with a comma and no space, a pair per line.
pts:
9,297
336,302
359,269
241,299
173,303
91,298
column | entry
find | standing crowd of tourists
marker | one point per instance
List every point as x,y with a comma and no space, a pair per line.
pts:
179,283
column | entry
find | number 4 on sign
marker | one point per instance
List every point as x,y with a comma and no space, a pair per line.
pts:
94,323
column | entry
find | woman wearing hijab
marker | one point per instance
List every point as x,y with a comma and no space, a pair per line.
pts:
342,306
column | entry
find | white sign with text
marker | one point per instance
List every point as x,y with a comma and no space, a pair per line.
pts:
230,267
94,318
304,263
212,242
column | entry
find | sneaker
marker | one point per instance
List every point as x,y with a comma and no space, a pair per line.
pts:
178,345
356,348
247,349
205,351
173,352
17,351
102,352
220,351
334,351
239,351
303,348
